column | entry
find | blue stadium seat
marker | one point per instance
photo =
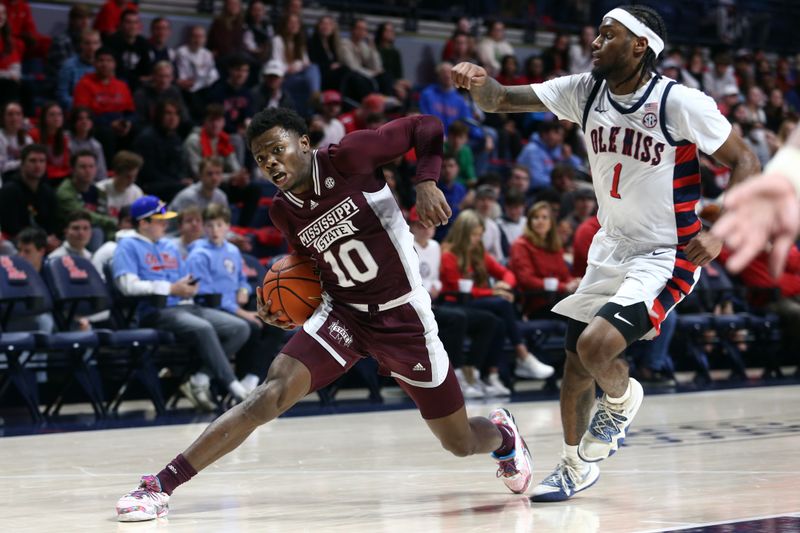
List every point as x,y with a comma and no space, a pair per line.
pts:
14,349
21,288
78,290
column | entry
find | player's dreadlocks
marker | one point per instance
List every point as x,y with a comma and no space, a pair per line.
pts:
652,20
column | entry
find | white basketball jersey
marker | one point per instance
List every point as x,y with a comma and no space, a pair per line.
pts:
646,175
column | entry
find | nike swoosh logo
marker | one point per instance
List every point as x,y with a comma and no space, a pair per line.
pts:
662,252
623,319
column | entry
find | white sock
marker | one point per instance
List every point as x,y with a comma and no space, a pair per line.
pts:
622,399
571,453
237,389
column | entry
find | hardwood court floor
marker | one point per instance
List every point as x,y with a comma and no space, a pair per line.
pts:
692,459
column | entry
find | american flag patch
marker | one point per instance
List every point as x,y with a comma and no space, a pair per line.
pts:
651,107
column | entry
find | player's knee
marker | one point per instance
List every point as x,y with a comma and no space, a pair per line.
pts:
591,349
266,402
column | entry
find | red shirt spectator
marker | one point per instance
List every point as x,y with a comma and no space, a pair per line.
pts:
581,243
58,166
372,108
450,274
27,40
537,254
107,97
756,274
108,18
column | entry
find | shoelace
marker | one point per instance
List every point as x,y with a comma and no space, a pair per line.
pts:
148,487
563,477
507,468
606,421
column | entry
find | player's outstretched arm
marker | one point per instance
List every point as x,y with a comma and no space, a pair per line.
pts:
764,209
493,97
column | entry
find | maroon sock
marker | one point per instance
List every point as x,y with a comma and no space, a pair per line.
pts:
508,441
177,472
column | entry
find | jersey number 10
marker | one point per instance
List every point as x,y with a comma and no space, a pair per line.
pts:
345,259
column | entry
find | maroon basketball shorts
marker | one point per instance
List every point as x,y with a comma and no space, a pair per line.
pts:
404,340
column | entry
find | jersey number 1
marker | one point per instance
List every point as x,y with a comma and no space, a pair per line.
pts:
615,183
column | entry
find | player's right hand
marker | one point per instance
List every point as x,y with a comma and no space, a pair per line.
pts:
468,75
758,211
279,319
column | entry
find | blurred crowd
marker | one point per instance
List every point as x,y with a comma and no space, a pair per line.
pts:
117,114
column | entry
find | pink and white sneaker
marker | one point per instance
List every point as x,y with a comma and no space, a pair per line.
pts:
515,468
144,503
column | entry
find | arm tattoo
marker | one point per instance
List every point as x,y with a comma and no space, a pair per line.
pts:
489,95
496,98
521,98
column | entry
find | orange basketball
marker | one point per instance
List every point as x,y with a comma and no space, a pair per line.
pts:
294,288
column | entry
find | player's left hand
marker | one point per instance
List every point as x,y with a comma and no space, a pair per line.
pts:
432,207
704,248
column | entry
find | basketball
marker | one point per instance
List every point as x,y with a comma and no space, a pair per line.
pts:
294,288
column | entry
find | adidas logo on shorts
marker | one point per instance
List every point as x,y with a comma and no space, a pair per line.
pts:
418,368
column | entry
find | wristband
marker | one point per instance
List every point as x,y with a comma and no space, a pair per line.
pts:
786,163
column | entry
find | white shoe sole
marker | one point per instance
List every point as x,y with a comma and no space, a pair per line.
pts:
555,496
141,516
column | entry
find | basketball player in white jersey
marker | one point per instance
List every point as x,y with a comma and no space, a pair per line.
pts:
643,133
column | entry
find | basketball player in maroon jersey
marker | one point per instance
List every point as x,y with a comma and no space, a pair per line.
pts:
334,205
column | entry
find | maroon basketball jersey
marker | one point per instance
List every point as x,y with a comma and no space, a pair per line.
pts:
349,221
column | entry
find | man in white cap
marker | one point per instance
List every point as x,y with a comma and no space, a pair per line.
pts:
270,93
643,133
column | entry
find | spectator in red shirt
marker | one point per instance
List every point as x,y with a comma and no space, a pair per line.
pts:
23,30
52,135
108,18
110,101
537,259
371,110
580,245
463,258
509,71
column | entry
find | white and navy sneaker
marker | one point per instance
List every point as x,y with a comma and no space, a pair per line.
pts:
146,502
566,480
608,426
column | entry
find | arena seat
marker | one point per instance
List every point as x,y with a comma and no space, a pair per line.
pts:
15,349
78,290
69,352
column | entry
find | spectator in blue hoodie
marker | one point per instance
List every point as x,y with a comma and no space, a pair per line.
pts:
76,66
545,150
218,264
444,102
